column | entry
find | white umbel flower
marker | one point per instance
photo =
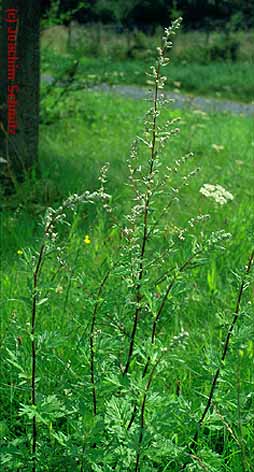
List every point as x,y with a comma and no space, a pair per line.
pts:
217,192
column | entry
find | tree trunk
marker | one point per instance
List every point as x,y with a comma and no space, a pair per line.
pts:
19,88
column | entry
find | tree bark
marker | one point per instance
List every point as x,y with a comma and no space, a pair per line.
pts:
19,88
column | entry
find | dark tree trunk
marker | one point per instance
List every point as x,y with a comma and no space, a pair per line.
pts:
19,88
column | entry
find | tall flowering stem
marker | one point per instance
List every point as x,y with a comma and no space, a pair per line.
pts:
49,236
158,83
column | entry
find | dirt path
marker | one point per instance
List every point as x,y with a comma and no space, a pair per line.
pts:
210,105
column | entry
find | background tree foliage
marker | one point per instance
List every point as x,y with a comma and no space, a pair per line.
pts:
197,14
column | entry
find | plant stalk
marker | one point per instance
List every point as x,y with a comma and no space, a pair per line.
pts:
224,352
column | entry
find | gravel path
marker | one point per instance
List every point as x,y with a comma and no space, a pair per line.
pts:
211,105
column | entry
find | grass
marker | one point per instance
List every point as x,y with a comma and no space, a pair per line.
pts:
90,129
100,127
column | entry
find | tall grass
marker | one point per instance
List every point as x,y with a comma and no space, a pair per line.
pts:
97,40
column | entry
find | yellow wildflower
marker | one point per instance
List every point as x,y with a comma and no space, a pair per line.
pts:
19,252
87,240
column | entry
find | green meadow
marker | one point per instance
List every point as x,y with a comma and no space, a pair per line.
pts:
224,80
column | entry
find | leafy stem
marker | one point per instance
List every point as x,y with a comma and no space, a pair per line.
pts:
156,320
142,412
224,351
145,225
92,340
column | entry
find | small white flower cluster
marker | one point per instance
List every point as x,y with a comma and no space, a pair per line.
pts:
180,339
217,192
